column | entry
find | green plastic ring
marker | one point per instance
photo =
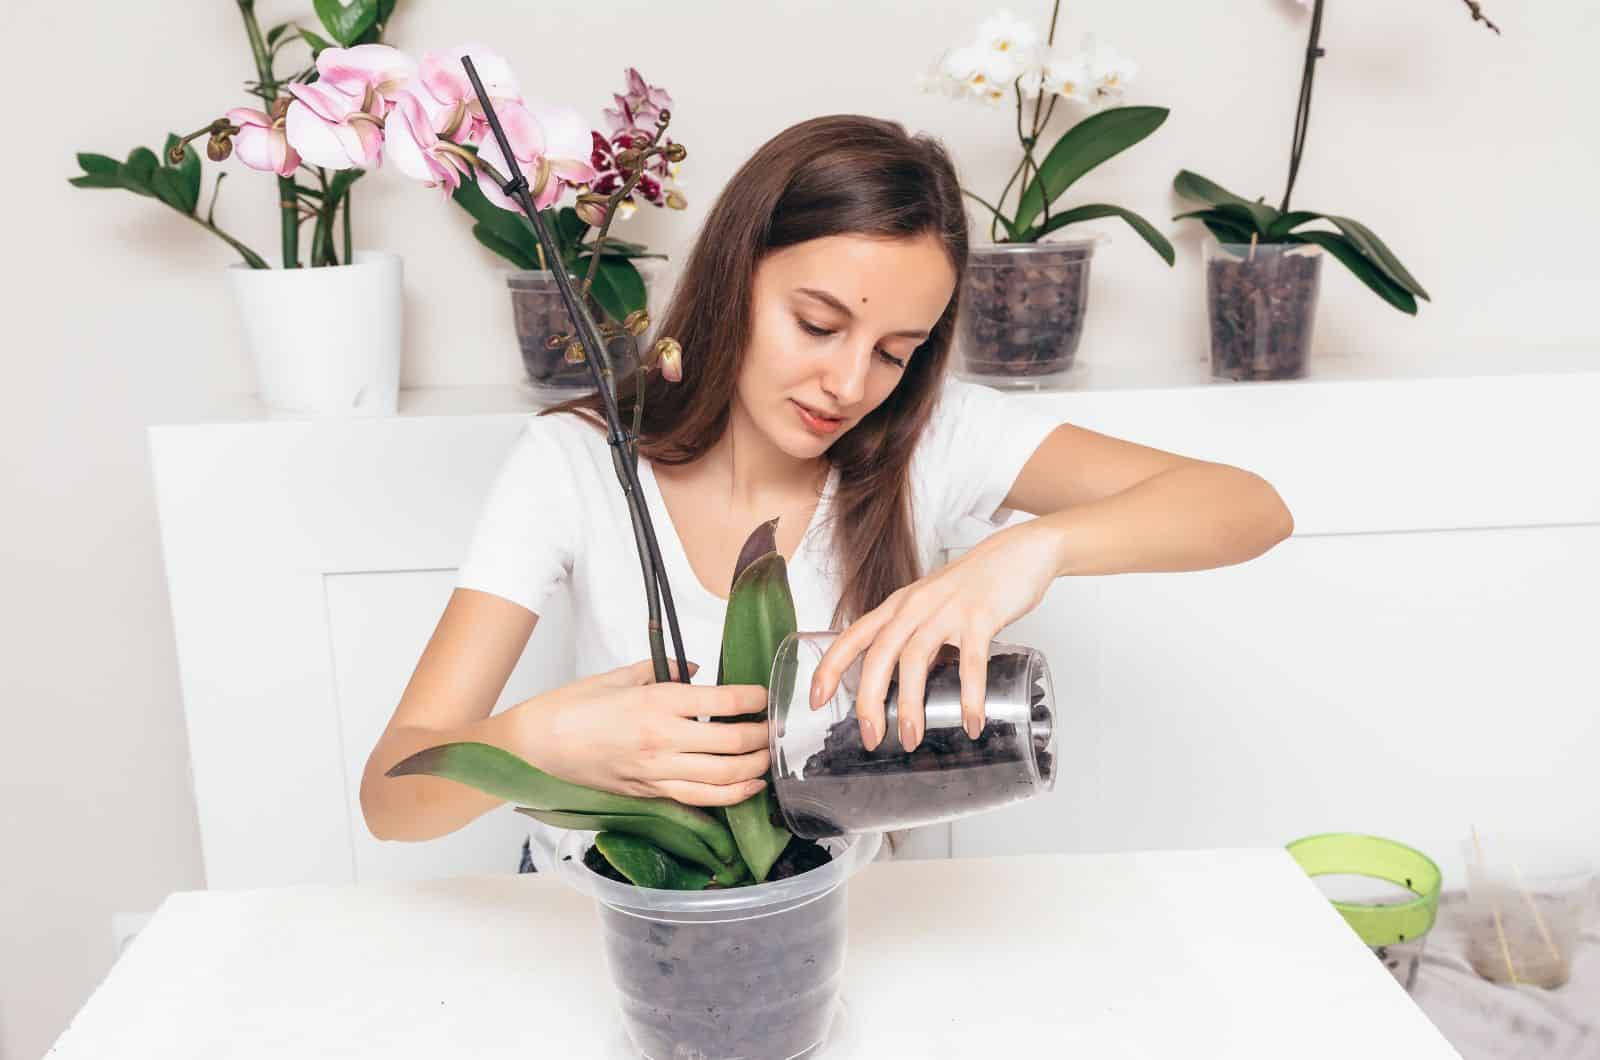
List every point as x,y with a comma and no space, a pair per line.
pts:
1348,853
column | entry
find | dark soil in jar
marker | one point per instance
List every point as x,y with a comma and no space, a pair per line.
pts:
757,987
1261,314
1022,315
947,773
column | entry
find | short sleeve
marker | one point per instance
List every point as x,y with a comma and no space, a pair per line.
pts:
976,444
525,540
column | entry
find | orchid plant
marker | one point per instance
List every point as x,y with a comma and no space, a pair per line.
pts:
613,158
1241,224
1007,62
653,842
358,103
322,121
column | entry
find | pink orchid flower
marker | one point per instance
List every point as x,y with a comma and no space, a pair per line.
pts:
444,83
261,143
414,144
367,72
331,129
641,107
555,141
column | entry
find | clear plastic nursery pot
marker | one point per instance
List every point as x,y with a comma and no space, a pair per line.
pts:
749,972
1022,311
828,784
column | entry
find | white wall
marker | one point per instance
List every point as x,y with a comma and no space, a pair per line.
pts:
1474,156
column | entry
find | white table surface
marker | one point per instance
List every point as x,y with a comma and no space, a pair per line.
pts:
1220,953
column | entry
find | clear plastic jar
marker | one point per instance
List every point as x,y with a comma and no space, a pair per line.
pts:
828,784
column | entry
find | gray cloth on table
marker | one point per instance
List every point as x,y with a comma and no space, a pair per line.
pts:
1490,1021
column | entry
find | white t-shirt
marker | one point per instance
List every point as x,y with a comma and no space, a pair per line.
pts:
555,516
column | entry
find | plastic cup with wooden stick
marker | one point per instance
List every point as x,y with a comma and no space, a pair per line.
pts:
1526,902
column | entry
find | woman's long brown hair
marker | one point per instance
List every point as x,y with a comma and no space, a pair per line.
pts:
836,175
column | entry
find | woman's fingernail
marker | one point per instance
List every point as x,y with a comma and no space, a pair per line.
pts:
869,731
816,695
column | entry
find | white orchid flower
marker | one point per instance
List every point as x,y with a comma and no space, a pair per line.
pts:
1068,76
1006,33
1109,70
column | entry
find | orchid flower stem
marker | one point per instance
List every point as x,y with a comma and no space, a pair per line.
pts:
616,200
289,221
1302,114
657,590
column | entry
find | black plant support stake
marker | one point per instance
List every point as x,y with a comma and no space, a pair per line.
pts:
655,576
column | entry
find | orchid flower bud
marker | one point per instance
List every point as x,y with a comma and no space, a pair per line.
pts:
669,355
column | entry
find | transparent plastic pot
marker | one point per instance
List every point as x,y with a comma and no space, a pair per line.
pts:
1526,904
1261,302
1022,311
734,972
538,313
828,784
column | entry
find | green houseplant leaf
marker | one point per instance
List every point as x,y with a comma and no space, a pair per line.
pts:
760,614
1364,240
647,865
502,774
618,288
1157,241
1194,186
346,21
669,836
1350,257
1080,149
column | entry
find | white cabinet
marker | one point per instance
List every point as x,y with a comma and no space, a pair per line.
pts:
1417,658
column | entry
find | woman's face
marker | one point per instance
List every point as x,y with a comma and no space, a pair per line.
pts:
834,322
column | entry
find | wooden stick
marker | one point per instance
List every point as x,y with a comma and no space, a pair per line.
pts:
1494,907
1533,908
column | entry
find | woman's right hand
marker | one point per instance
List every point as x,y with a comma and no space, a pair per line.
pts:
622,732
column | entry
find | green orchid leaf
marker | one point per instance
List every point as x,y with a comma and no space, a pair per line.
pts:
760,614
673,838
346,21
1012,234
1194,186
1227,234
618,288
277,31
510,251
1079,150
502,774
1157,241
1368,273
1364,240
1374,248
565,225
647,865
1289,221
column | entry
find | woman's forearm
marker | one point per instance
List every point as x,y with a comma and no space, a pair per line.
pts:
1193,517
423,807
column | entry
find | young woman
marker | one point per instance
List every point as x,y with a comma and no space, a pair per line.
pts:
816,313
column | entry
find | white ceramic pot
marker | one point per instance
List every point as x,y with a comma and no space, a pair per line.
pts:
325,341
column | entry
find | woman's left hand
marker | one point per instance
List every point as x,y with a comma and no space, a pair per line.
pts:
965,604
